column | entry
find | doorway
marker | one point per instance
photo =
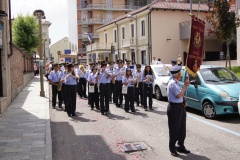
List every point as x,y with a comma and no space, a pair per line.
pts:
133,56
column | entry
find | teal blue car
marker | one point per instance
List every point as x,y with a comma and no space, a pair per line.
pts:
214,91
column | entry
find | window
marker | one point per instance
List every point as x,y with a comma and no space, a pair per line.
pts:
105,37
132,30
143,28
144,57
115,35
123,32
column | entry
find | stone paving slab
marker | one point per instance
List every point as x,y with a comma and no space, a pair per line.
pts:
25,126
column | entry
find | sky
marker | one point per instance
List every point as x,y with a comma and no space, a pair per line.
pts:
55,11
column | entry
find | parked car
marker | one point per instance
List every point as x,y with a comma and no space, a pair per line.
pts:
162,75
214,91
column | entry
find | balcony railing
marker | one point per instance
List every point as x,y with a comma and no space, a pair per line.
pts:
94,20
83,36
82,50
99,46
107,7
128,42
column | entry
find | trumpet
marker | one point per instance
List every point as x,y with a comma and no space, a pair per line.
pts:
138,76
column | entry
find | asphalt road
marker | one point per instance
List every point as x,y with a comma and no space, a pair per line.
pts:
91,136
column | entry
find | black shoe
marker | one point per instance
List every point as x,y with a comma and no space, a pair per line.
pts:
74,114
126,111
91,108
107,113
145,109
175,154
183,150
53,107
65,110
133,111
97,108
60,107
102,113
69,115
151,109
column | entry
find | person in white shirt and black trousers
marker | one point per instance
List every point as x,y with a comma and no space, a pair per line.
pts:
129,81
148,79
94,96
54,79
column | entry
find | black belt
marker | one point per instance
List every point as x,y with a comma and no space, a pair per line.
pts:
172,103
55,82
104,83
118,80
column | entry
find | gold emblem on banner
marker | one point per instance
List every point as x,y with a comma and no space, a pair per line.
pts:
197,40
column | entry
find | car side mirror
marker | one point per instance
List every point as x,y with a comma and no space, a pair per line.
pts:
193,82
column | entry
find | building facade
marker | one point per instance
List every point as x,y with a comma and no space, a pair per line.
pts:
91,14
5,53
160,30
61,46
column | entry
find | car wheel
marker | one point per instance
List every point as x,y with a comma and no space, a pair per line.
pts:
158,93
209,110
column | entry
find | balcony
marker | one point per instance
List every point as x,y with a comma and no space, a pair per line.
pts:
185,27
111,7
85,37
82,50
128,42
89,21
99,47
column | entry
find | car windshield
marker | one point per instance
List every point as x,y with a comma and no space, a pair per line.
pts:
218,75
162,70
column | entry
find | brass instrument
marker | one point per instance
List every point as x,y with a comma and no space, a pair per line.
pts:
82,68
59,88
138,76
113,79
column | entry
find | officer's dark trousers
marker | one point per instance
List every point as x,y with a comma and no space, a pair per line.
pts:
147,92
129,101
104,97
118,91
112,92
94,97
71,98
177,125
82,87
56,93
64,94
139,92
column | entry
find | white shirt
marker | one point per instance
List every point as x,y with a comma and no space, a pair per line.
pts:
154,62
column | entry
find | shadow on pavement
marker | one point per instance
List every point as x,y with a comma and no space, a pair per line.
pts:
69,146
192,156
116,117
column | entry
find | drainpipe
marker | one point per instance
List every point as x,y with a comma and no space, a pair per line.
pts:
10,29
117,40
150,35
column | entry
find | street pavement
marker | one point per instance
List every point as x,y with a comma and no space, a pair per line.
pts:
25,126
91,136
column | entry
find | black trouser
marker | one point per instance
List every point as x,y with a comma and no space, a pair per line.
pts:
129,99
112,92
89,98
139,92
94,97
71,98
104,96
78,86
82,87
64,94
55,92
118,91
147,92
177,125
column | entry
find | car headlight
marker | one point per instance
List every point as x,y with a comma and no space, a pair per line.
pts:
224,95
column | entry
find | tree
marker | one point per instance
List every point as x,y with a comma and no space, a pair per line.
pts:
25,31
224,24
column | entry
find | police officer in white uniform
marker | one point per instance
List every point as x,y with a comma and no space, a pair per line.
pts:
176,112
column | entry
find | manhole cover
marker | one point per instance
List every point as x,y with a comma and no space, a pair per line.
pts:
133,147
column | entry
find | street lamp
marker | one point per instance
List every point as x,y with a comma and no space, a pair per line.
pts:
135,18
39,14
90,40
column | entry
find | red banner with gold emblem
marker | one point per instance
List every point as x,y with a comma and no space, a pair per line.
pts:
196,46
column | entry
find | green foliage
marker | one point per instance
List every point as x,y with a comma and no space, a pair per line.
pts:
223,21
236,70
25,31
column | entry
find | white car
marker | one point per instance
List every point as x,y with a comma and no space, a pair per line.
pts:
162,75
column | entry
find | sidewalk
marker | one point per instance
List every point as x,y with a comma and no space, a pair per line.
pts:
25,126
